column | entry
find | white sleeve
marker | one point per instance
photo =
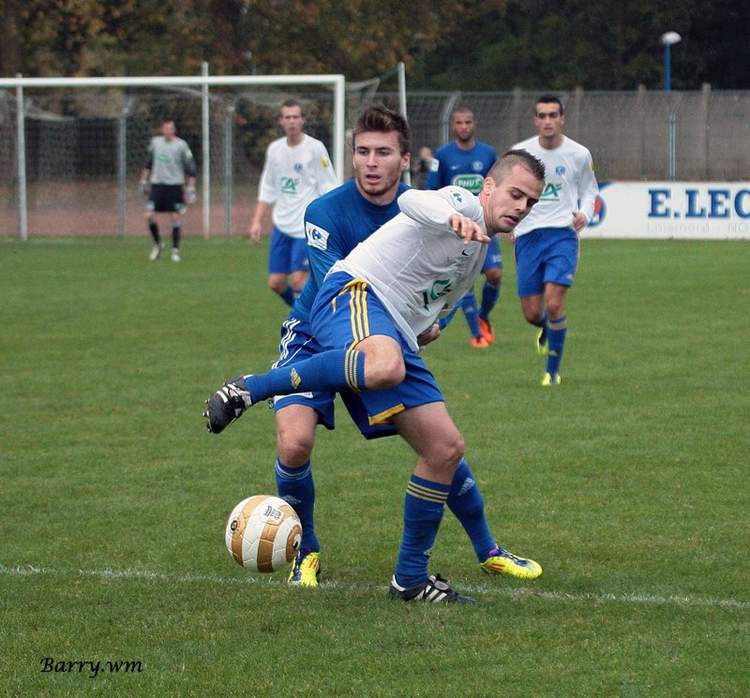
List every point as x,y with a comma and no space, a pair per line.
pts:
434,208
588,189
326,174
267,188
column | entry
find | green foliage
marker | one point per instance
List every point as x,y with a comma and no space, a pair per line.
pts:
495,45
628,483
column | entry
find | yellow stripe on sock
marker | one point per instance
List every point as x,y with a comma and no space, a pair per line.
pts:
428,495
428,490
351,370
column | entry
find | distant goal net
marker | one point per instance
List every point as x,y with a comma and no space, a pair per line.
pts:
72,150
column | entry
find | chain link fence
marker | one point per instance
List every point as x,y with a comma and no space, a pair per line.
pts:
639,135
84,150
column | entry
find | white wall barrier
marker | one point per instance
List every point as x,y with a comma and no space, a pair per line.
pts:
680,210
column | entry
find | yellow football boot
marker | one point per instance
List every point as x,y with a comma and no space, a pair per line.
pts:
305,570
500,561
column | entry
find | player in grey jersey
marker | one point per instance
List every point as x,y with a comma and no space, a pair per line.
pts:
169,163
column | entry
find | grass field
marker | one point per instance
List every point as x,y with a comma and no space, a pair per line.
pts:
628,483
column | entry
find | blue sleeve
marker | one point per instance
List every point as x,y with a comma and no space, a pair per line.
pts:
323,242
435,178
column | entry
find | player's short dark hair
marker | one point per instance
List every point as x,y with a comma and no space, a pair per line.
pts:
291,102
549,99
378,117
462,109
166,120
512,158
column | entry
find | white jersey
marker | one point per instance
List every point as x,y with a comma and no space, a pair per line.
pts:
292,177
570,185
416,264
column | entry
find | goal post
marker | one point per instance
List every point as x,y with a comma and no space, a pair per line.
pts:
203,83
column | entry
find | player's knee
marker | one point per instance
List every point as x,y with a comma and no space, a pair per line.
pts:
532,314
277,285
446,452
294,446
555,308
494,276
384,371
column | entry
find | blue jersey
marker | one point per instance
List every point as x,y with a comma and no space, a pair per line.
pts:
335,224
462,168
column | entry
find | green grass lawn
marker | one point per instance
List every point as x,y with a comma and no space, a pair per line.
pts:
628,483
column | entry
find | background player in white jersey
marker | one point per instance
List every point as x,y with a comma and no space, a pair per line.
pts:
297,170
373,312
169,163
546,242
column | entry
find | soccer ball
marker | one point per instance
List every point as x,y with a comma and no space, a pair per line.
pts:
263,533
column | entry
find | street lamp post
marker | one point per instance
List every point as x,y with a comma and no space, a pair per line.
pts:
668,40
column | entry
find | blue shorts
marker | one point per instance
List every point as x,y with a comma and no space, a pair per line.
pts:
345,312
494,259
545,255
297,344
287,254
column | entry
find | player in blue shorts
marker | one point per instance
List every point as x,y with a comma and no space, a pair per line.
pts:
297,170
465,162
371,315
546,242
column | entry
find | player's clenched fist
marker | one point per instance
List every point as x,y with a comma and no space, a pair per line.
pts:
467,229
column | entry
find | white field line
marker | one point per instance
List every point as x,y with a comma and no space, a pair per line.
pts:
514,593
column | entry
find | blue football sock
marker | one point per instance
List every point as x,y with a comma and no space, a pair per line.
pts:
490,297
556,331
423,510
444,322
469,306
337,369
296,487
288,296
466,502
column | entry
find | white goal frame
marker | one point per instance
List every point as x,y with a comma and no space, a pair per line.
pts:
204,81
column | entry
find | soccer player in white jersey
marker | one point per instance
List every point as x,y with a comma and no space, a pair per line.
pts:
546,242
169,163
372,314
297,170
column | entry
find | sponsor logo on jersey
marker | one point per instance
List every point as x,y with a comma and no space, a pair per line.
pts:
298,166
477,165
439,288
434,165
560,170
316,236
324,162
551,192
472,182
289,185
457,196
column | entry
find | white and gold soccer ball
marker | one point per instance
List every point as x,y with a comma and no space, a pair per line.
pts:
263,533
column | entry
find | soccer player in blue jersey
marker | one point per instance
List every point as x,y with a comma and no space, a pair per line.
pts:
334,224
465,163
416,266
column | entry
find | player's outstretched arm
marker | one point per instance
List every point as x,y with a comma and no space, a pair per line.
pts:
435,208
467,229
429,335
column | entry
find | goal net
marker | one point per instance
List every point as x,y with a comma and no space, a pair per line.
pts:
85,146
